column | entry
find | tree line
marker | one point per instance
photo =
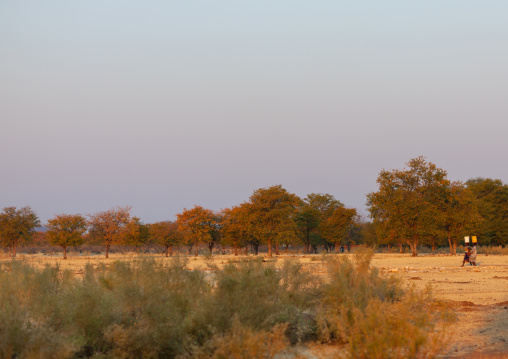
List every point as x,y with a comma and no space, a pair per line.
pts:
273,217
413,206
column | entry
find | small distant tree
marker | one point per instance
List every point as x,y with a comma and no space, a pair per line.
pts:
314,210
16,226
66,230
109,227
368,233
335,228
458,214
492,201
216,230
273,212
235,227
166,234
136,233
197,225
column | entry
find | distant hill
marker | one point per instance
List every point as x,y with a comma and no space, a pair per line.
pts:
41,229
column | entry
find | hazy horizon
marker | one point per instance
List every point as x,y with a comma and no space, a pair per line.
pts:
165,105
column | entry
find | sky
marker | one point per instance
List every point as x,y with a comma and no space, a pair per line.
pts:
163,105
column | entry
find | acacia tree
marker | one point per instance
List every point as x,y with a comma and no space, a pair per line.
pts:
308,220
17,225
136,233
216,230
407,199
166,234
236,226
335,228
458,212
492,200
66,230
314,210
109,227
272,214
197,225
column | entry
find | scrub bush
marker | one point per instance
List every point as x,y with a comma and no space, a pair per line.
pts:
250,309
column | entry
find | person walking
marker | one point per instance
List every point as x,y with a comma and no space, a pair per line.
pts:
472,255
466,256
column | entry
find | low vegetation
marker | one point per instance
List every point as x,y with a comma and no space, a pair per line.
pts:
250,309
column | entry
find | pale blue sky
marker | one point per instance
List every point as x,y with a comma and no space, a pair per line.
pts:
162,105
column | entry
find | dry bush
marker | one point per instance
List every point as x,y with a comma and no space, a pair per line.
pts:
374,317
147,309
243,343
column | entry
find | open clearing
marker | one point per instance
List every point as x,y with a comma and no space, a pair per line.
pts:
479,294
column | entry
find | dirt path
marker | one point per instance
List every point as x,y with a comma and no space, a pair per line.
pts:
479,294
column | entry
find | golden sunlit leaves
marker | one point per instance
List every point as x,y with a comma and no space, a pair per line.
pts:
66,230
108,227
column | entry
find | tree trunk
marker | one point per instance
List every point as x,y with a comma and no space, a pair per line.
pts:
269,248
107,251
196,245
167,251
414,245
65,252
236,249
286,250
450,243
247,250
401,248
277,252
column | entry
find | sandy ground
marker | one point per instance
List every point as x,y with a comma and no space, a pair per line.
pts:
479,294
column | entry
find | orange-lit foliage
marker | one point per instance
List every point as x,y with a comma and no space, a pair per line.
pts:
334,228
236,224
17,225
109,227
136,233
408,200
197,224
272,212
166,234
66,230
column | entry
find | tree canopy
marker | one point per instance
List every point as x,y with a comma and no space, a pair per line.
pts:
166,234
17,225
405,203
109,227
197,225
273,211
66,230
492,197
